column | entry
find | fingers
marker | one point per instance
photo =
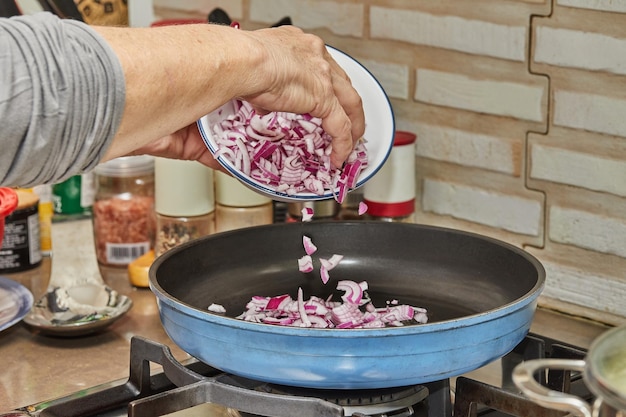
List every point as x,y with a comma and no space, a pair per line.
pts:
185,144
346,121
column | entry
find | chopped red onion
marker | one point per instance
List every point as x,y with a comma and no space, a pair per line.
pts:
356,311
217,308
307,214
324,274
309,247
287,152
305,264
353,291
332,262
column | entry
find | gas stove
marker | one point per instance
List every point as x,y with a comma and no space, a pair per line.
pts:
196,389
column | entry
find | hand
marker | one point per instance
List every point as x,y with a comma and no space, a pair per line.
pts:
300,76
184,144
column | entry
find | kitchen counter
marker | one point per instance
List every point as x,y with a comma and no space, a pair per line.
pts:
36,367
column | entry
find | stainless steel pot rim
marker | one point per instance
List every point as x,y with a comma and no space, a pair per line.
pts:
507,309
606,347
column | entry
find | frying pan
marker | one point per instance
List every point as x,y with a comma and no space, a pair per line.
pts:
480,293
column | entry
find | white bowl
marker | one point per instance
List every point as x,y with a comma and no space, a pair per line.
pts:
379,131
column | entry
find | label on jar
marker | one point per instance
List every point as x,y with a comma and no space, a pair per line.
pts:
74,196
21,248
123,228
125,253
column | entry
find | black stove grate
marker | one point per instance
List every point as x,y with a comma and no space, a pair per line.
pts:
179,387
474,398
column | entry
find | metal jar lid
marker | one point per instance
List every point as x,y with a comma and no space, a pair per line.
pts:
126,166
322,209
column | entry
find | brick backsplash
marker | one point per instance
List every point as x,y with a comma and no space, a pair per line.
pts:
520,111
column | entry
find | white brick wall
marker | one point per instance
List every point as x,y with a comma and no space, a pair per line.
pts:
393,78
603,5
588,230
579,169
482,205
451,32
594,112
501,98
203,7
341,18
468,148
577,286
578,49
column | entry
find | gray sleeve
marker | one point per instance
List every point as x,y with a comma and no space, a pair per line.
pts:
62,96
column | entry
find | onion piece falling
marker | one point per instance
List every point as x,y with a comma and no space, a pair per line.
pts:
309,247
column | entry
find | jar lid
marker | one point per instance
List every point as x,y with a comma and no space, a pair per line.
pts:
229,191
26,198
402,137
321,208
183,188
8,201
126,166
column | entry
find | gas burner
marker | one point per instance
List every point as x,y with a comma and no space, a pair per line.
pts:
195,386
398,401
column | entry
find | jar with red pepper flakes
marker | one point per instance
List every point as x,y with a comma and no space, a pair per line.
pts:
123,210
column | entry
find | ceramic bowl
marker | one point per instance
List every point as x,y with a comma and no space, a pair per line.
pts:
379,131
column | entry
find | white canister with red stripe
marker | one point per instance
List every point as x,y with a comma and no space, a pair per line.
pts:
390,194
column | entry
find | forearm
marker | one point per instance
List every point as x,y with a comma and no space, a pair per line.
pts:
174,76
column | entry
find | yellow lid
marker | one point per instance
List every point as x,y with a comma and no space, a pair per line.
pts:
139,268
26,198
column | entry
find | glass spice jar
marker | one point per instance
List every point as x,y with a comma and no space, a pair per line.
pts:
123,210
238,206
184,202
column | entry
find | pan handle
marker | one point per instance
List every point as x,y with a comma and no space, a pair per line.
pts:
523,377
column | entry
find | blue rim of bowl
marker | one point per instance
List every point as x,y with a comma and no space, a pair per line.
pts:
22,297
260,187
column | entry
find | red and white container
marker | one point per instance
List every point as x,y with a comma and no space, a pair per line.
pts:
390,194
8,203
21,245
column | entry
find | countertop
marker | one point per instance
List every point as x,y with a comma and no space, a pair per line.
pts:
36,367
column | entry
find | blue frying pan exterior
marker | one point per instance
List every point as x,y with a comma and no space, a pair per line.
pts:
355,358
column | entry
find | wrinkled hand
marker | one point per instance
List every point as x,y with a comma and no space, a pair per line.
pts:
300,76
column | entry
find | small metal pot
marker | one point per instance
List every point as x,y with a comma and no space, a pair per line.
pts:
604,372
